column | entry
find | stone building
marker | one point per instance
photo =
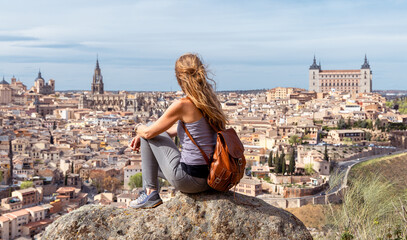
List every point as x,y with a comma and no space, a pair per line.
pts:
355,81
5,92
40,87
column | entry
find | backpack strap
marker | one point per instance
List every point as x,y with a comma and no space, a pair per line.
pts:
192,139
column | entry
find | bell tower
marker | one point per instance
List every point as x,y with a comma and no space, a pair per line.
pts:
97,84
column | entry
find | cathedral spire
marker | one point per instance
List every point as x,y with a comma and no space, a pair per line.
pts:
97,83
97,61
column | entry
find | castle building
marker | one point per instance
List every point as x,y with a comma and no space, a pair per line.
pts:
97,84
40,87
355,81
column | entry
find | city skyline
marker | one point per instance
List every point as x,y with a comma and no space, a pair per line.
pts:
247,45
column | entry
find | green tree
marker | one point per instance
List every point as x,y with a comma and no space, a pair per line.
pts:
26,184
291,166
270,160
377,123
309,169
369,124
136,181
275,160
326,156
66,179
341,124
282,163
294,140
1,176
277,165
72,167
368,136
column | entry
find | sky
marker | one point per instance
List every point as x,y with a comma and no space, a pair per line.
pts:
245,44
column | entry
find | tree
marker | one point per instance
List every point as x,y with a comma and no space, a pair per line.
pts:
291,166
368,136
26,184
283,165
136,181
309,169
275,160
66,179
270,160
97,177
377,123
1,176
326,156
72,167
341,124
111,183
294,140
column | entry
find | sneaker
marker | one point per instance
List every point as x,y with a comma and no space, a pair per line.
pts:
147,201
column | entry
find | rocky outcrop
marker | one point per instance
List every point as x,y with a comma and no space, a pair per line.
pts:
209,215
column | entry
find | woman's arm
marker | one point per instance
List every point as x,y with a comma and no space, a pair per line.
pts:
172,131
167,120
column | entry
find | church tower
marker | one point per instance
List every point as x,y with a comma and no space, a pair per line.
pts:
97,84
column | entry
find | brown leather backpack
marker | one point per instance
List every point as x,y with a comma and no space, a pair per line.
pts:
227,165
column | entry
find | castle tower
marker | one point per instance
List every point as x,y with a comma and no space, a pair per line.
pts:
97,84
314,70
366,77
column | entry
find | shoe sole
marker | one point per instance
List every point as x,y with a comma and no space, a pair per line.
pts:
155,205
152,206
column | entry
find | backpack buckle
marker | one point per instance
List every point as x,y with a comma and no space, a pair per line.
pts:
239,161
217,180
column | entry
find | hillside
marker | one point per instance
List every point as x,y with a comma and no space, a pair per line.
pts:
392,168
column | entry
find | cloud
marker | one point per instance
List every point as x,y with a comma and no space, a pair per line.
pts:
13,38
267,42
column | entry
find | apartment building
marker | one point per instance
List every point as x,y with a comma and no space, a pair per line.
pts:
29,197
339,136
249,187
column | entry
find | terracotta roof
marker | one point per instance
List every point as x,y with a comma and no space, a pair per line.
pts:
65,189
38,223
137,166
20,213
4,219
36,208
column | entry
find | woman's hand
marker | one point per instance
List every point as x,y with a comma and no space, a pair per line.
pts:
135,144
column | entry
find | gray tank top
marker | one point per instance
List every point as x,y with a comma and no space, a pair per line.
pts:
203,135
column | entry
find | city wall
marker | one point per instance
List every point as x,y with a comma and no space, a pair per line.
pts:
335,197
373,151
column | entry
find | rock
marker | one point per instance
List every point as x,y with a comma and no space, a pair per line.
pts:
209,215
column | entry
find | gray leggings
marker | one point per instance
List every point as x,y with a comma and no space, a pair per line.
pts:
161,158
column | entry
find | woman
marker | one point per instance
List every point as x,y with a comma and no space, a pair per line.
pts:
201,113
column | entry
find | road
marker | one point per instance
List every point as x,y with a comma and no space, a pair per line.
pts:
343,169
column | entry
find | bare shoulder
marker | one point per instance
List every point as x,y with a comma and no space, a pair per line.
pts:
186,103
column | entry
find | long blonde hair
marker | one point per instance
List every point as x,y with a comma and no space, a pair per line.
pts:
193,79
